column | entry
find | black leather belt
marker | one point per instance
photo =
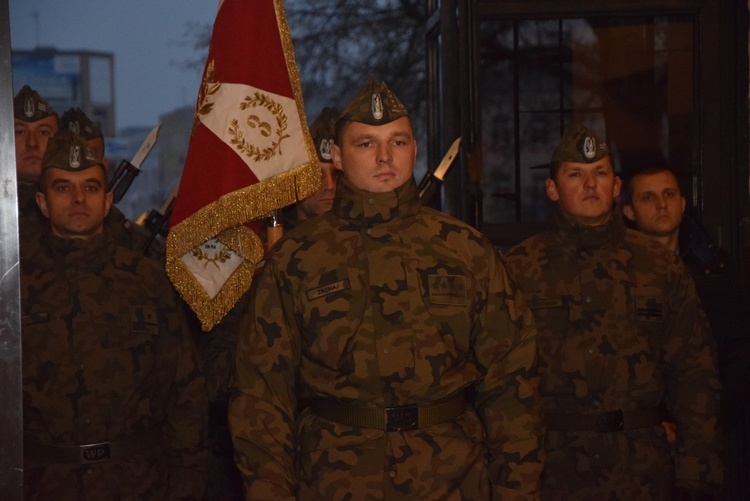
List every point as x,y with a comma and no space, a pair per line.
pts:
149,441
604,422
403,418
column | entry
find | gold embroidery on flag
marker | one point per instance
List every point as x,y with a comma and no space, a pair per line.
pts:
253,121
215,258
208,88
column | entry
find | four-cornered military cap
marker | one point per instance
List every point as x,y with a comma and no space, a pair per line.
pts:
29,106
580,144
375,104
69,151
76,121
323,131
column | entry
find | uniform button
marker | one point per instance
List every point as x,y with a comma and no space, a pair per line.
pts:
371,201
596,456
596,403
591,351
369,231
392,474
588,299
386,350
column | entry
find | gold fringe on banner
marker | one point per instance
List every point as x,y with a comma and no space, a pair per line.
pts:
244,205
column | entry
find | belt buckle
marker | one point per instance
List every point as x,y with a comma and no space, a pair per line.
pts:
95,453
404,418
610,421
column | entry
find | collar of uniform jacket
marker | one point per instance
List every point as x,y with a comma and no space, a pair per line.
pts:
370,208
581,238
77,255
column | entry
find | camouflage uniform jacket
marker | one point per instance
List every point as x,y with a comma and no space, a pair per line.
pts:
31,222
381,302
619,327
107,357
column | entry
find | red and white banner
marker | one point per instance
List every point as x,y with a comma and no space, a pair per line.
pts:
250,153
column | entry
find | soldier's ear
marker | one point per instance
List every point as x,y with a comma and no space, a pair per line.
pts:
336,157
551,190
41,201
627,211
108,202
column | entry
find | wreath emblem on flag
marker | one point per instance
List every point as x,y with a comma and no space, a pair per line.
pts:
266,130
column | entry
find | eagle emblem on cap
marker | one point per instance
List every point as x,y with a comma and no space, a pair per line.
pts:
29,107
74,127
325,148
377,106
74,159
589,147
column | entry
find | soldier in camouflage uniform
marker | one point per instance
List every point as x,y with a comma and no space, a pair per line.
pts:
322,131
34,123
113,398
621,335
385,353
653,202
126,233
216,346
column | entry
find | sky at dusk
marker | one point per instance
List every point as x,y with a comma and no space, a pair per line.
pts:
147,38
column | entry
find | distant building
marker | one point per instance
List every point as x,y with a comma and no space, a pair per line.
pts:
70,78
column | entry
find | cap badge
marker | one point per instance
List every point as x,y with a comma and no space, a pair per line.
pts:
589,147
29,107
325,148
74,127
377,106
75,156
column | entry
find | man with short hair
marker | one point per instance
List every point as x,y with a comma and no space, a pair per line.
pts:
322,130
125,232
34,123
620,334
385,354
114,400
654,203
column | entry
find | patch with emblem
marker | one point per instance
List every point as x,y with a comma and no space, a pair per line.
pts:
29,107
324,290
589,147
377,106
144,319
74,159
649,309
447,289
325,148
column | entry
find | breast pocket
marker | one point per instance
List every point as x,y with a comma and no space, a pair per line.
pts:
552,315
332,309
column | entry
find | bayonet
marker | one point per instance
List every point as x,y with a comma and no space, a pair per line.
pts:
431,182
127,171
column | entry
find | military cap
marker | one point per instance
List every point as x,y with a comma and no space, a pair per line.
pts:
29,106
375,104
580,144
76,121
69,151
323,131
